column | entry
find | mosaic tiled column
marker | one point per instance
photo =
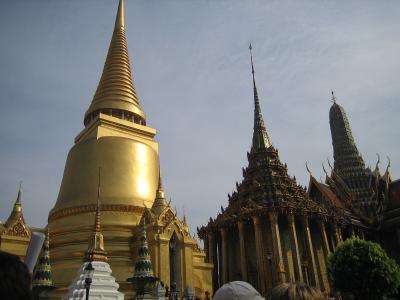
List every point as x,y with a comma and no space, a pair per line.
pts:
224,242
260,254
243,262
310,251
295,247
277,248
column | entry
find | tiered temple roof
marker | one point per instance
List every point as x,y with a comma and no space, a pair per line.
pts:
360,189
266,185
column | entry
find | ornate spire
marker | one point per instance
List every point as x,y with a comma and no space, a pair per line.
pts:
16,213
143,266
42,279
260,135
160,202
116,90
96,250
348,160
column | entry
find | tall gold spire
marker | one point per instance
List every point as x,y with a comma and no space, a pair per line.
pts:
116,92
96,244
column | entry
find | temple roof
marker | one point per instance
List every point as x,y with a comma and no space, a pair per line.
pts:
349,173
116,89
15,224
348,161
266,185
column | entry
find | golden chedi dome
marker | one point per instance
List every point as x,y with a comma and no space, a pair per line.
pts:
116,139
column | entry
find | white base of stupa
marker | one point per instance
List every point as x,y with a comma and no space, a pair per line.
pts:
103,285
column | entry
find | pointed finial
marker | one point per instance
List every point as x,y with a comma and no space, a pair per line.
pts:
377,162
329,163
184,216
323,168
388,165
18,201
333,97
120,20
96,250
260,135
251,58
308,170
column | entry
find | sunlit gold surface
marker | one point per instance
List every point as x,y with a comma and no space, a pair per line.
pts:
128,157
116,89
129,163
15,234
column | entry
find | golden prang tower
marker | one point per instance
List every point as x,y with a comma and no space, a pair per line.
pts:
116,139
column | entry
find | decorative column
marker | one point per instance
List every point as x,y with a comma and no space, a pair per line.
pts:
336,234
295,247
260,254
276,245
210,250
224,242
310,251
243,263
324,237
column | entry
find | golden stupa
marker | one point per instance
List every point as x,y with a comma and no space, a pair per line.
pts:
117,139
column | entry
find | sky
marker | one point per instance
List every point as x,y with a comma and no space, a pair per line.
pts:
191,68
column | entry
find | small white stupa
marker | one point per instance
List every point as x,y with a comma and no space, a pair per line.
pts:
103,285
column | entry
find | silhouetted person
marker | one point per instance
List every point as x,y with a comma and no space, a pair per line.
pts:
15,279
295,291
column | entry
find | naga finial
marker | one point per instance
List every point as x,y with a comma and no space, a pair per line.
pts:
333,97
388,165
378,161
323,168
329,163
308,170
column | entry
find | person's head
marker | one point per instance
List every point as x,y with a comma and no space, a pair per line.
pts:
295,291
237,290
15,279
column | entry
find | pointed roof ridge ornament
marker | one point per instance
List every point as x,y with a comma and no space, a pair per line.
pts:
19,193
96,250
16,212
377,162
160,203
116,89
184,216
260,135
333,99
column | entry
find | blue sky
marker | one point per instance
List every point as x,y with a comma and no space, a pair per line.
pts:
191,69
